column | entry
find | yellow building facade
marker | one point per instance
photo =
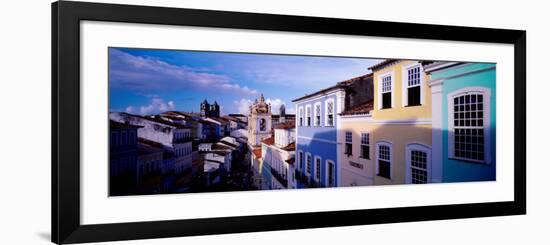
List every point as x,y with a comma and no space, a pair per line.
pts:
389,141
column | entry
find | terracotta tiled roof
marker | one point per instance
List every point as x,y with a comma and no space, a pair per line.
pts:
355,79
382,64
342,84
269,141
290,161
364,108
257,152
290,147
287,125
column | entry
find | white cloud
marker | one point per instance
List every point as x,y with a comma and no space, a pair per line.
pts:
143,73
243,106
130,109
157,105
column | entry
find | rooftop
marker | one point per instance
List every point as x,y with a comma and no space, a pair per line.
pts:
382,64
355,79
290,147
360,109
257,152
118,125
269,141
286,125
322,91
290,161
339,85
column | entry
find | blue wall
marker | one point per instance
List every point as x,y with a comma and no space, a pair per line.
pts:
317,140
469,75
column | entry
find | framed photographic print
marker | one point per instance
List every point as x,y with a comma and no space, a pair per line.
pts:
175,122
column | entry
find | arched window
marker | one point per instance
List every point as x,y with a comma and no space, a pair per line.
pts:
262,124
418,159
469,123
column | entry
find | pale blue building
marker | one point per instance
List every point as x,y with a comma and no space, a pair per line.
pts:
316,137
463,120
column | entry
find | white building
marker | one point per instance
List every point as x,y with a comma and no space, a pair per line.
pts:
278,155
175,138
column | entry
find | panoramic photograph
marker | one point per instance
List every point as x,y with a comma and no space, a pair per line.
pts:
185,121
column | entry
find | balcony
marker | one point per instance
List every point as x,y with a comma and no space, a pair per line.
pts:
305,180
279,177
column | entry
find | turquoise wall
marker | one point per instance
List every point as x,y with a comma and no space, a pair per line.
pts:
469,75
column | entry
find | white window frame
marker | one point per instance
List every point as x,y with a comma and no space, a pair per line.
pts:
333,172
390,145
408,152
486,92
361,145
308,156
300,116
405,83
306,116
331,100
301,158
315,171
315,114
379,88
346,142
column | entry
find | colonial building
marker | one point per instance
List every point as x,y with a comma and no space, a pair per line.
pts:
122,158
174,138
464,121
397,132
278,153
193,121
259,122
149,169
317,127
355,154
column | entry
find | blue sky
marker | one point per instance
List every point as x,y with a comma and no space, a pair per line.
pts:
146,81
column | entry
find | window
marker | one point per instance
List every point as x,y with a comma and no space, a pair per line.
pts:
384,160
468,126
317,168
308,116
317,121
349,144
262,124
301,116
413,86
308,163
132,136
123,138
330,173
114,138
365,146
330,113
419,167
301,160
386,91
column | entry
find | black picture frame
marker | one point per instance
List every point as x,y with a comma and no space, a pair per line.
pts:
66,17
